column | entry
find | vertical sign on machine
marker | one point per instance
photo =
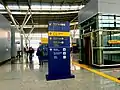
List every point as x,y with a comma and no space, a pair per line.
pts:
59,51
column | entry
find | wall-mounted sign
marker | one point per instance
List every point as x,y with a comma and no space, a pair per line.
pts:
114,41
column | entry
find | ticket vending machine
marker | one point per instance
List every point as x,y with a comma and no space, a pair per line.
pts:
58,51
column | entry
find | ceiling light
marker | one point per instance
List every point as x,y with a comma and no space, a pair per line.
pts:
24,7
23,13
43,7
81,6
74,23
1,7
13,7
65,7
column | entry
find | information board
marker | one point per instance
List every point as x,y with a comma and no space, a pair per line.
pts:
44,40
58,51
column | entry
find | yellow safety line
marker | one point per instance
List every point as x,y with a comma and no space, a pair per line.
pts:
97,72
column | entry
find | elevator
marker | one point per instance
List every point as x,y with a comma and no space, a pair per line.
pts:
88,50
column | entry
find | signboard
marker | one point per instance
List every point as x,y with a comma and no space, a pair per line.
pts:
114,41
44,40
59,51
58,26
67,34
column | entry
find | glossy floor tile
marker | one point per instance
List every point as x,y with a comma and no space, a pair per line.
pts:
25,76
115,72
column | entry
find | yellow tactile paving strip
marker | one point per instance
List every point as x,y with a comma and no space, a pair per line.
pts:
97,72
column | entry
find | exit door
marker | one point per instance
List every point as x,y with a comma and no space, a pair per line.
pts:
88,51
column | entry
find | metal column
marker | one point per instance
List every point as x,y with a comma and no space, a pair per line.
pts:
22,47
100,51
13,45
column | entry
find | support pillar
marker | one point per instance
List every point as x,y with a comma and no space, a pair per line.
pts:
22,48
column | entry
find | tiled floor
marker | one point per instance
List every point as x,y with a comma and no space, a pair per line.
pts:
22,76
115,72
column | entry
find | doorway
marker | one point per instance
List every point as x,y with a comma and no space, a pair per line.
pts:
88,50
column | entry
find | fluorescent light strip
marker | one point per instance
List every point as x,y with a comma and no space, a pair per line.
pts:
13,7
1,6
43,7
36,26
23,13
74,23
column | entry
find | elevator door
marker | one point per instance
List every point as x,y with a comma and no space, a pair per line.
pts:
88,51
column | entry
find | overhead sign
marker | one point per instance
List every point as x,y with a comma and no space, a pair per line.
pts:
74,44
52,33
44,40
58,51
58,26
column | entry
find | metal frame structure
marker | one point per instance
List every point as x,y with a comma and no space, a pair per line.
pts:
99,36
29,20
69,14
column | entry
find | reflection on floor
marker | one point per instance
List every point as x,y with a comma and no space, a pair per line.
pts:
24,76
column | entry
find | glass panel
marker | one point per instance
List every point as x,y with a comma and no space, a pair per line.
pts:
105,17
99,17
107,25
117,25
111,50
111,17
117,18
106,21
117,21
111,25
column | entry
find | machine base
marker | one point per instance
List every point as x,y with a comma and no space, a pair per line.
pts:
49,77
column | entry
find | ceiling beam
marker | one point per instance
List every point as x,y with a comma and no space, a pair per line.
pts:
17,1
20,18
25,17
74,1
40,1
48,13
62,2
29,5
37,30
41,26
31,31
74,19
26,21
